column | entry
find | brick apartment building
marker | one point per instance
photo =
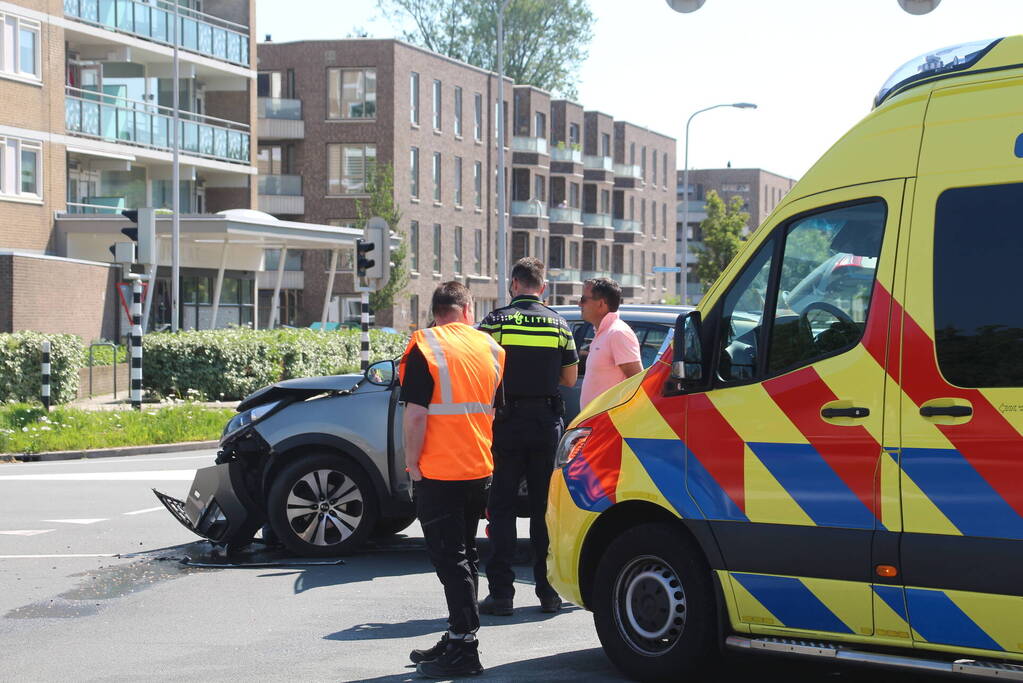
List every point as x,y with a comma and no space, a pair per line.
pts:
588,195
86,112
760,191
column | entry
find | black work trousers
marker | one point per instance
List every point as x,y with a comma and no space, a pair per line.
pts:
524,444
449,512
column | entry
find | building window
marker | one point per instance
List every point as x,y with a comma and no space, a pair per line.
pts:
351,93
573,255
605,255
665,167
269,84
632,153
19,47
477,184
520,245
413,311
414,97
436,247
573,133
20,168
413,245
477,252
653,167
477,117
414,172
437,121
642,162
349,168
457,266
540,125
539,184
436,177
605,144
458,112
653,218
538,248
573,195
664,220
605,201
458,181
557,252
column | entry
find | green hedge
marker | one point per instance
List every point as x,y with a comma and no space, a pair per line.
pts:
20,366
230,364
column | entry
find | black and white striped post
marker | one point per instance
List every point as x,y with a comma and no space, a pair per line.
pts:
45,348
364,350
136,344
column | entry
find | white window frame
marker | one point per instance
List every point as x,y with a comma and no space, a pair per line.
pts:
10,50
11,150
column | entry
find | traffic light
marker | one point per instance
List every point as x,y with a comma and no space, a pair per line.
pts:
362,262
144,233
378,233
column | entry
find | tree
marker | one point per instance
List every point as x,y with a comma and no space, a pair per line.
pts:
380,187
545,42
722,235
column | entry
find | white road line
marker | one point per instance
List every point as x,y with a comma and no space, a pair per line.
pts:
47,557
77,521
25,532
142,512
145,475
99,461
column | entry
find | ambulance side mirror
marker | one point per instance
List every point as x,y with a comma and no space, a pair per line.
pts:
687,351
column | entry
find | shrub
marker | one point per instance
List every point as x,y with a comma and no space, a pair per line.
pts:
20,366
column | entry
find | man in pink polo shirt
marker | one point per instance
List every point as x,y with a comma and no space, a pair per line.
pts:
614,351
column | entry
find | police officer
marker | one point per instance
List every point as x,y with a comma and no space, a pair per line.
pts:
540,355
450,374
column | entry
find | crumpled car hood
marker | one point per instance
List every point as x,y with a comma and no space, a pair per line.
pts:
301,388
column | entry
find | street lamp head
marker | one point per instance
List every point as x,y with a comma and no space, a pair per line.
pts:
685,6
744,105
919,6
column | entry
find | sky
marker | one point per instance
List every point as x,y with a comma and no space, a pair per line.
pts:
812,67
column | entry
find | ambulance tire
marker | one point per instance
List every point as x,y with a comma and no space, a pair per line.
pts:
329,527
653,605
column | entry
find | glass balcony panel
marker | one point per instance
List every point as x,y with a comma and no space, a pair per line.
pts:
565,215
591,274
286,185
628,171
279,108
143,20
143,128
206,140
125,15
527,144
72,115
597,220
627,279
566,154
234,47
220,142
161,132
623,225
189,34
598,163
189,136
220,43
206,39
161,25
565,275
244,42
527,208
107,12
234,145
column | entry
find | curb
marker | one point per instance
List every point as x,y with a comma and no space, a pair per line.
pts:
111,452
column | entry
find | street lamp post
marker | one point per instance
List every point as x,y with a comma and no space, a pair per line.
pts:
502,240
684,275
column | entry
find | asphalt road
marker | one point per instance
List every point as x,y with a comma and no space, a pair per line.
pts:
94,589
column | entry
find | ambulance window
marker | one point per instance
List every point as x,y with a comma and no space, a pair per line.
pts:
741,315
827,277
978,321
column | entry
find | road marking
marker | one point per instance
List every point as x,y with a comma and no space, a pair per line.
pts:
47,557
118,460
76,521
146,475
25,532
142,512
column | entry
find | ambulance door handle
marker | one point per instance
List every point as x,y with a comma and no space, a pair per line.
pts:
845,412
947,411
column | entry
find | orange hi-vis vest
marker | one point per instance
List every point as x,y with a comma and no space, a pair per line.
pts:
466,366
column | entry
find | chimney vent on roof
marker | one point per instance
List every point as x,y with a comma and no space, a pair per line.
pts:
269,38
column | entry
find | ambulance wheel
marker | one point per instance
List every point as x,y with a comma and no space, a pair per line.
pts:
322,505
653,605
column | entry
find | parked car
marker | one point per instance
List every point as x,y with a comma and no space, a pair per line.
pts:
321,461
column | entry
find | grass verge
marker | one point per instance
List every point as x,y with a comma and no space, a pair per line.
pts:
27,428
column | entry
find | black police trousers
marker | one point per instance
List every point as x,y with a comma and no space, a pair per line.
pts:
524,443
449,512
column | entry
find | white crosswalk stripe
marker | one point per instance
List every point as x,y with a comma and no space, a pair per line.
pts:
25,532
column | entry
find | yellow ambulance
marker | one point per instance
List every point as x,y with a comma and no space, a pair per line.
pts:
829,462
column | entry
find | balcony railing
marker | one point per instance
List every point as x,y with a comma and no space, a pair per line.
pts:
279,108
565,215
524,144
623,225
118,119
591,274
628,279
597,220
564,275
286,185
529,207
197,32
566,154
598,163
628,171
110,205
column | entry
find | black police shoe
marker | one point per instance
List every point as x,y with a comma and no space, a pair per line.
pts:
460,658
426,655
501,607
550,605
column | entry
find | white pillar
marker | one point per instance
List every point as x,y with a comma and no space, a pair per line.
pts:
330,288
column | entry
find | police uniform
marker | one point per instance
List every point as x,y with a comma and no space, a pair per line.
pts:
538,344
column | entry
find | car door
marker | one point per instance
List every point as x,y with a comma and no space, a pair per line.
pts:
783,450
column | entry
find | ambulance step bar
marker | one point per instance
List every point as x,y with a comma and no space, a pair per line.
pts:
824,650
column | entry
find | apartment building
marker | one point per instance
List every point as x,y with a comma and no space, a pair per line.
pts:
87,130
760,191
331,110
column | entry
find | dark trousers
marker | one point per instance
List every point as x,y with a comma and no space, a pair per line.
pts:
524,445
449,512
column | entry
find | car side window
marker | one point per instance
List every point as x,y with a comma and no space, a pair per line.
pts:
742,315
650,339
582,332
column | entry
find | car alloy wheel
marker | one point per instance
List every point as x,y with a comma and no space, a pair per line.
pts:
325,507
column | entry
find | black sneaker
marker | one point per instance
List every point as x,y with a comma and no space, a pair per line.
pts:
501,607
550,605
426,655
458,659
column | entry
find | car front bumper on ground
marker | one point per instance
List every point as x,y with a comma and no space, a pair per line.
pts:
218,506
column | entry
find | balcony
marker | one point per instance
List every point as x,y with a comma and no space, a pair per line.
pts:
622,225
529,145
628,171
116,119
280,119
598,163
281,194
628,279
528,207
565,215
591,274
153,20
569,154
597,220
564,275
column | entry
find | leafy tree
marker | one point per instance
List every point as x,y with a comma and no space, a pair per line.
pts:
722,235
380,187
546,41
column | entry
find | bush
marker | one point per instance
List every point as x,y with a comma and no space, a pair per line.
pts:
104,355
20,366
230,364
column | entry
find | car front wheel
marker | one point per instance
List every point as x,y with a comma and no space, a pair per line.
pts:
653,605
322,505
